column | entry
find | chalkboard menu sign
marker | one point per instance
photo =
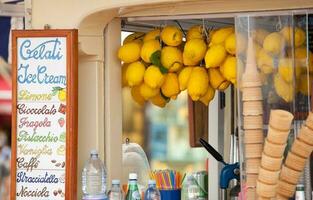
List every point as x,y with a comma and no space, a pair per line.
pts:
44,129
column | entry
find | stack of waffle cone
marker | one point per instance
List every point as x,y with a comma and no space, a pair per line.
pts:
252,120
273,152
296,159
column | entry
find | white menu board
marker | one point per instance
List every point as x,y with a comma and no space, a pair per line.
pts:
40,134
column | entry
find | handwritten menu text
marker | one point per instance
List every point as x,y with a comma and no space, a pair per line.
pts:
41,118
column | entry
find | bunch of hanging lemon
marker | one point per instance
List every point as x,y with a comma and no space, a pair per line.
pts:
160,64
275,53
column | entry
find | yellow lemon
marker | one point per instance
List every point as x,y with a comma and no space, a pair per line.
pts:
172,36
217,80
299,35
215,56
265,62
304,86
198,83
135,73
148,92
135,92
171,58
219,36
228,69
209,95
124,80
170,87
184,76
235,42
274,43
195,32
152,35
301,58
158,100
135,37
286,69
259,35
62,95
283,89
148,48
194,51
129,52
153,77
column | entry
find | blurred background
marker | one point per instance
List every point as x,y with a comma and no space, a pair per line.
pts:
9,20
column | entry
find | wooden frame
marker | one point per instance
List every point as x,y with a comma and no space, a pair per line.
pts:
71,106
198,122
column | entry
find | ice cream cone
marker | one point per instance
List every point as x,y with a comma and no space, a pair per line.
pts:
253,136
301,148
268,177
274,150
289,175
277,136
253,122
295,162
280,120
271,163
252,108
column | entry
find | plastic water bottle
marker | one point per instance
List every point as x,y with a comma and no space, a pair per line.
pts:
133,192
191,190
115,193
152,193
94,178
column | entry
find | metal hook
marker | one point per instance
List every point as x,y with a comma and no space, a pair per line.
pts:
127,141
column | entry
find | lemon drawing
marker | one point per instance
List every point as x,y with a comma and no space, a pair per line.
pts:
172,36
194,51
129,52
62,95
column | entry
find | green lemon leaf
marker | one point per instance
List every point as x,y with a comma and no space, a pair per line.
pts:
156,60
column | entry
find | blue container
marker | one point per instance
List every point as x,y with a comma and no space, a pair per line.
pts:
170,194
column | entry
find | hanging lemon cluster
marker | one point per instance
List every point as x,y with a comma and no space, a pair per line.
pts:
160,64
275,52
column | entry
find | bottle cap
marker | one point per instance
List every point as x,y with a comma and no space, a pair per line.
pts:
133,176
115,182
94,152
151,182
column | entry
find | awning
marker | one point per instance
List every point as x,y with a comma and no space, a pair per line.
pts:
5,97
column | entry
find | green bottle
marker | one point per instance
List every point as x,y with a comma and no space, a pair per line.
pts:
133,192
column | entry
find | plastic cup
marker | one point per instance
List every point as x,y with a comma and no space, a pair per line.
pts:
170,194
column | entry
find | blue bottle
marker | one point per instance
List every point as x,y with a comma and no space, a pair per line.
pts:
152,193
